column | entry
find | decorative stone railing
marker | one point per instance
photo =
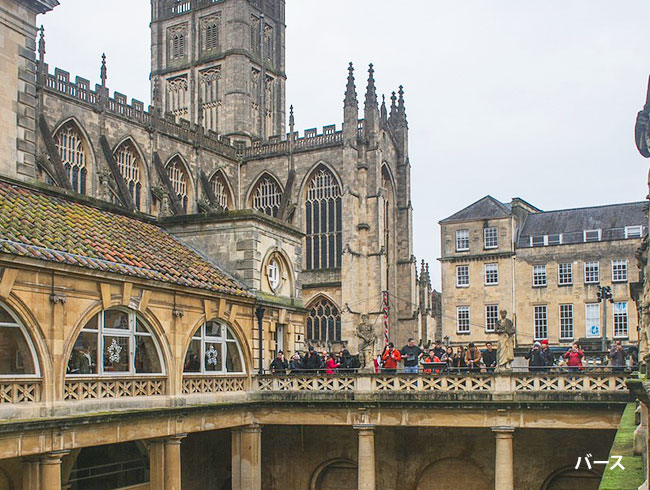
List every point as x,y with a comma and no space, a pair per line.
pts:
20,390
118,387
211,384
507,383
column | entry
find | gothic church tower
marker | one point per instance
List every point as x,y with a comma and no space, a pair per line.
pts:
220,64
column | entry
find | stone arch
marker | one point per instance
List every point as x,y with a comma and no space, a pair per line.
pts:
151,321
309,174
185,168
238,333
220,175
387,174
89,152
317,320
329,469
583,479
33,337
265,174
466,474
282,255
143,167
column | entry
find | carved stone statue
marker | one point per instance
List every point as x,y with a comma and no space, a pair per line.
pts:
642,127
367,343
506,351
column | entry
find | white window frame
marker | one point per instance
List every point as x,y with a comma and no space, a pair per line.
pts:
593,307
493,272
567,320
635,231
543,321
459,310
459,239
618,317
458,276
492,245
537,274
559,239
227,336
562,275
598,231
491,320
597,272
543,244
619,274
131,333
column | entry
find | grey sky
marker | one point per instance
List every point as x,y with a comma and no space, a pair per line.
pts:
535,98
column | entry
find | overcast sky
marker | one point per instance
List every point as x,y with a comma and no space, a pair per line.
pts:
535,99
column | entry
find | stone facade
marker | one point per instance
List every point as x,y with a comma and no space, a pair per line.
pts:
172,161
501,257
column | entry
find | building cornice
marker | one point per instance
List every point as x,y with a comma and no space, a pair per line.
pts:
40,6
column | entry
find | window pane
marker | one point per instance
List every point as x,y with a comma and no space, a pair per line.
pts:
5,317
15,357
212,329
146,355
233,359
213,357
116,354
83,359
193,358
92,323
116,319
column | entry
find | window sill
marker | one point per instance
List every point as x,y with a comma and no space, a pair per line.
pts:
541,286
491,284
462,286
462,333
568,284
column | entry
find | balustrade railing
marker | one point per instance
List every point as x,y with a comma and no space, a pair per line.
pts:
211,384
87,388
20,390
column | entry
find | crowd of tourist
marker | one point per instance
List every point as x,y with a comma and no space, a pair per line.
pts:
413,359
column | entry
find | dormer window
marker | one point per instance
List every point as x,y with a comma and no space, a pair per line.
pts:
592,235
633,231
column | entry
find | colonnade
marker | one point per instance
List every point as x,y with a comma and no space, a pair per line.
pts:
44,472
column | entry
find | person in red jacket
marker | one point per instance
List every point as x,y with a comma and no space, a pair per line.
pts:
331,365
574,357
391,357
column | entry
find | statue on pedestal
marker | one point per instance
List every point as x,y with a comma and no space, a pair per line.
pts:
367,343
506,351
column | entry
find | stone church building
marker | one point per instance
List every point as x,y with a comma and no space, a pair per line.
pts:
214,146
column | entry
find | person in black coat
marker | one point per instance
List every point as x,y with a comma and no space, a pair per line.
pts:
279,364
489,357
536,361
312,361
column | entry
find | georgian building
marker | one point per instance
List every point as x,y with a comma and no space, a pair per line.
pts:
544,268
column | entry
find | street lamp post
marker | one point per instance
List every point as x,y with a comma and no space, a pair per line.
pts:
604,295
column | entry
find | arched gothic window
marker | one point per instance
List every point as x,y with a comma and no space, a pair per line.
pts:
221,190
266,196
72,151
214,350
178,45
129,164
115,341
324,321
323,221
180,181
17,354
211,35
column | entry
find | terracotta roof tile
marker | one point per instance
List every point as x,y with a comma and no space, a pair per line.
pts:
38,225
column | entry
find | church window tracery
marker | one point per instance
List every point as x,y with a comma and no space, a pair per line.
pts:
221,190
129,164
323,221
72,152
266,196
209,93
180,181
324,321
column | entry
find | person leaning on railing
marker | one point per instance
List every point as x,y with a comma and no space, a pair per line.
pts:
279,365
390,357
574,357
473,358
536,361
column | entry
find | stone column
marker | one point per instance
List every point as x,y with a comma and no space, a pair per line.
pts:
157,464
504,471
50,470
31,470
172,457
247,458
366,475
